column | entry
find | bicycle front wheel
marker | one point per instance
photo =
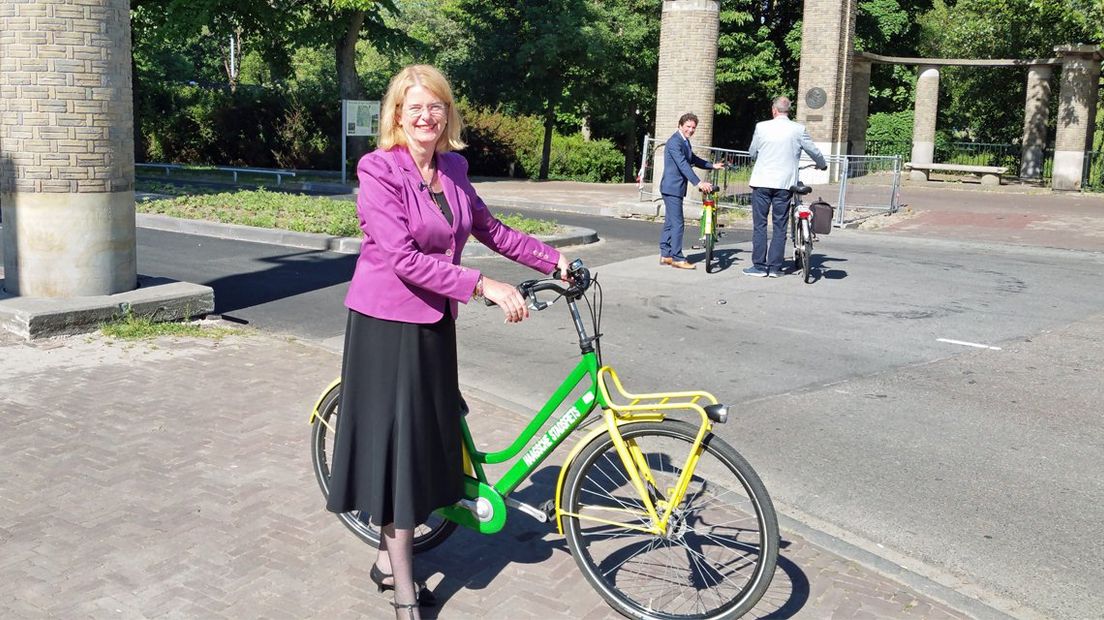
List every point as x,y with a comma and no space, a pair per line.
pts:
426,536
710,241
718,555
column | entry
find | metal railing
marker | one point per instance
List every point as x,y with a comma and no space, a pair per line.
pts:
968,154
869,182
279,174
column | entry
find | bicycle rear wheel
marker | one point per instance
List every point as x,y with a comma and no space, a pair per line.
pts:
719,554
806,251
323,431
794,232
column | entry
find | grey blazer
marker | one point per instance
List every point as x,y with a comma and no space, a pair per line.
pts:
776,147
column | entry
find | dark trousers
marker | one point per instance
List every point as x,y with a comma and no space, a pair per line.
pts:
774,203
670,240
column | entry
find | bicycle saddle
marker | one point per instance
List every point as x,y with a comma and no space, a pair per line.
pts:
800,188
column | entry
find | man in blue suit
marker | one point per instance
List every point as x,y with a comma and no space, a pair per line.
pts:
678,162
775,147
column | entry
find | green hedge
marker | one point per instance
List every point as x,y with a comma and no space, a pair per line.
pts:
501,145
254,126
281,128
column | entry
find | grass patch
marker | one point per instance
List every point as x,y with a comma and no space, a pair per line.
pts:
528,225
264,209
130,327
171,189
296,212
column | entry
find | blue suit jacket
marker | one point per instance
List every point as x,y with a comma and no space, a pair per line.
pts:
678,160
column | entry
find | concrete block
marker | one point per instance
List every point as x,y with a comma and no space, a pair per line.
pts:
160,298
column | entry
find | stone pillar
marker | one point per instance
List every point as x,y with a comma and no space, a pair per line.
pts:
824,82
1036,111
860,105
923,121
66,148
1077,98
687,71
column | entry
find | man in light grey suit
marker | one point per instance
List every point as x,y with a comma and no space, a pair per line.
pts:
775,147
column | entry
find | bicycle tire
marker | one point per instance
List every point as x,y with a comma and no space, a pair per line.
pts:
794,231
636,572
710,240
426,536
807,252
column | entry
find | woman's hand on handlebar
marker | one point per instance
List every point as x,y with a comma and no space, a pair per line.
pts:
562,266
507,297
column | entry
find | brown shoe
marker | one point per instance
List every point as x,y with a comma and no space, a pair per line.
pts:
666,260
681,264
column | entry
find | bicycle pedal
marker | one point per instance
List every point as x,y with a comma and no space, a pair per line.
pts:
549,508
696,247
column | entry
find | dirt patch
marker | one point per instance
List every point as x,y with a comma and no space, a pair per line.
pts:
881,221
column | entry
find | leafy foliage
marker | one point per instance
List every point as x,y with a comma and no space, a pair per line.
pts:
501,145
986,104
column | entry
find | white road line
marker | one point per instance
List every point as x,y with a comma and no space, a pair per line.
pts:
967,344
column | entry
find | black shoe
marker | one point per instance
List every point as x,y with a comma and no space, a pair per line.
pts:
425,595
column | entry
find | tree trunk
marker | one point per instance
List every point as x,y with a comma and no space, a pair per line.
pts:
348,82
231,62
546,151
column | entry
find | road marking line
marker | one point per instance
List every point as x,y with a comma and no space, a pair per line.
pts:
967,344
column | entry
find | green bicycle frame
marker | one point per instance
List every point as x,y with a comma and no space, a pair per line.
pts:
709,218
487,500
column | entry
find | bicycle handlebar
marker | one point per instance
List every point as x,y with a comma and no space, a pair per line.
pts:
578,275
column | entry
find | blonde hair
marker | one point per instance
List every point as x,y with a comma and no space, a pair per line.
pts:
428,77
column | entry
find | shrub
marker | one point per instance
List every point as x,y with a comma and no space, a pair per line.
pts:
890,127
255,126
501,145
575,159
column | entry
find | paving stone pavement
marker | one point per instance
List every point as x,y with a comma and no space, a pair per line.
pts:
172,479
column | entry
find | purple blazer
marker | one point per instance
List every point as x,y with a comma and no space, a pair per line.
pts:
409,262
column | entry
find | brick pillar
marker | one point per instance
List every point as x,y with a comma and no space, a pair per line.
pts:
824,85
1076,113
923,121
66,148
687,71
1036,110
860,106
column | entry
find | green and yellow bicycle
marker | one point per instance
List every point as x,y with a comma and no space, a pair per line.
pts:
664,519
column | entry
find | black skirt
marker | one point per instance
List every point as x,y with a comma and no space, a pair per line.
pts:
397,454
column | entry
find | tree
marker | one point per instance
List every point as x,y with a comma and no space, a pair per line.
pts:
983,103
532,55
757,60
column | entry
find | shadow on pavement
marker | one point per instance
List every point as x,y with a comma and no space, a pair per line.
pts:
821,266
289,275
472,561
798,584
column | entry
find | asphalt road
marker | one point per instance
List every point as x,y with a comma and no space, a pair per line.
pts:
975,465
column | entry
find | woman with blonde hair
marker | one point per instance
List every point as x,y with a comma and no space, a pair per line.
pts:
398,455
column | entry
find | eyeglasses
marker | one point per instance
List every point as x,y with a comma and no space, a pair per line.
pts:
436,110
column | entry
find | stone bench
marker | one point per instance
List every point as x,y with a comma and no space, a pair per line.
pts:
990,175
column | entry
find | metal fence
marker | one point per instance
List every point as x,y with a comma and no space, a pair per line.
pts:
858,182
967,154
